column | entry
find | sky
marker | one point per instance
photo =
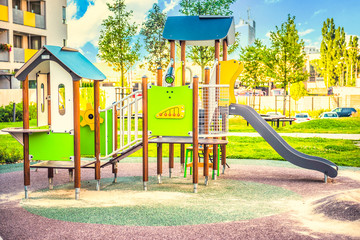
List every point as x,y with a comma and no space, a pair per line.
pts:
84,18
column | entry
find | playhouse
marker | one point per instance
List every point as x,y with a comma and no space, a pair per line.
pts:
173,112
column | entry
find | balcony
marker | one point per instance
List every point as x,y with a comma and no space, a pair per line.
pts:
22,55
4,56
28,19
4,15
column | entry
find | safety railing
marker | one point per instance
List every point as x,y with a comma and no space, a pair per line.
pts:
126,114
213,110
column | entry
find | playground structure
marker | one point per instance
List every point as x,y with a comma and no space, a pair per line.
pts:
186,114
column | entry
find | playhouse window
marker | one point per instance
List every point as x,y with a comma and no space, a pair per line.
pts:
61,102
43,98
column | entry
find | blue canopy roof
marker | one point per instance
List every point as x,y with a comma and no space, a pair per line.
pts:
200,30
70,59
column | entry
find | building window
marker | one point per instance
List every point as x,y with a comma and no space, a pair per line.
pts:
35,42
43,98
64,15
61,99
35,7
17,41
17,4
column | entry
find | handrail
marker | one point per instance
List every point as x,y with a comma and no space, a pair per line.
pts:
127,107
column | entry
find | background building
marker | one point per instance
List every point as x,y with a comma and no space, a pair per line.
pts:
247,29
27,25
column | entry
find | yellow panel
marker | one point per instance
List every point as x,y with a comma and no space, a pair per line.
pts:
29,53
178,74
4,15
229,71
29,19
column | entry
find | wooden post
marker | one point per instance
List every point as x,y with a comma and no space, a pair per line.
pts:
145,137
223,147
171,158
225,50
51,178
159,77
97,132
195,132
25,93
159,145
76,106
172,52
115,131
183,60
206,163
49,98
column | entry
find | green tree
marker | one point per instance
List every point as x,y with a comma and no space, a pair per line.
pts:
254,73
203,55
116,45
332,53
297,91
155,44
287,59
351,60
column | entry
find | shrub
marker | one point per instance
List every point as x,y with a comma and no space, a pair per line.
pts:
6,112
9,156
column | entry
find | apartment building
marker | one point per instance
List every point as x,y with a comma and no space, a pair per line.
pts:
27,25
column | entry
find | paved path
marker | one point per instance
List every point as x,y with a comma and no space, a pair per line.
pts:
301,135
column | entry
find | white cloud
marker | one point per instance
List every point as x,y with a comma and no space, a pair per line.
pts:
319,12
87,28
267,34
272,1
307,31
170,6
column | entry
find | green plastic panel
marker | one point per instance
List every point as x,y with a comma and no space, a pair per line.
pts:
160,98
51,146
87,138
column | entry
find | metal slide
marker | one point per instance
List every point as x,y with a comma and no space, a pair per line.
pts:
280,146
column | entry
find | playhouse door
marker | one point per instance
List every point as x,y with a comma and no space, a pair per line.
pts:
42,105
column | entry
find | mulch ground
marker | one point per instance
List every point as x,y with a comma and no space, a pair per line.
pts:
17,223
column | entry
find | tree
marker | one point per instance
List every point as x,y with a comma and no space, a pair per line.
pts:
203,55
155,44
351,60
332,53
116,45
297,91
254,57
287,59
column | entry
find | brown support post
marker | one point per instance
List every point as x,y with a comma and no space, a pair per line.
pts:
159,161
76,104
25,93
215,161
145,137
183,60
171,158
223,147
159,77
225,50
49,98
159,145
172,52
217,56
115,165
97,132
206,163
51,178
195,132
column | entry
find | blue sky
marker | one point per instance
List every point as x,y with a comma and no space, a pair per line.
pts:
85,17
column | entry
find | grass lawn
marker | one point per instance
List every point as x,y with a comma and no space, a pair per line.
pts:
341,125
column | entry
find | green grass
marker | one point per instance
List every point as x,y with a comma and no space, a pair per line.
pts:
32,122
341,125
222,201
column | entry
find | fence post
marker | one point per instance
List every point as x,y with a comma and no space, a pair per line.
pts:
14,112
